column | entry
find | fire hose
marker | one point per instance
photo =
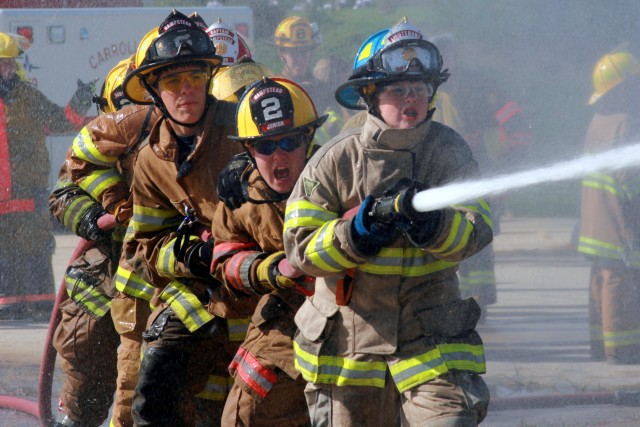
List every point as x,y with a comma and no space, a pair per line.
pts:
42,409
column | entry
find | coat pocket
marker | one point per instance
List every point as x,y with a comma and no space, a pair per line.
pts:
315,319
450,320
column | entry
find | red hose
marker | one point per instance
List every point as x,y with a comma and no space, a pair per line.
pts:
42,408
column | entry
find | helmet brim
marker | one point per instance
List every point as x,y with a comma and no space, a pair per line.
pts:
314,124
135,91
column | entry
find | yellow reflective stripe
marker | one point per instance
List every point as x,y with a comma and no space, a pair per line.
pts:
84,148
632,187
217,388
151,219
477,278
406,262
130,283
600,248
621,338
600,181
482,207
338,370
87,296
185,305
321,251
458,236
74,212
303,213
99,180
166,262
238,328
419,369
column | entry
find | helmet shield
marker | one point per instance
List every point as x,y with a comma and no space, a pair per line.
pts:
229,80
180,42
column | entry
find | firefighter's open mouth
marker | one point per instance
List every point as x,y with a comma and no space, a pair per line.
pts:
281,173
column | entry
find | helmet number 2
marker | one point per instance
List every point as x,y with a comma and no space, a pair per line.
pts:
271,109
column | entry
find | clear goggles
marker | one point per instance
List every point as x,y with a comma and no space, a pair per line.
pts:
421,90
406,56
173,82
267,147
178,42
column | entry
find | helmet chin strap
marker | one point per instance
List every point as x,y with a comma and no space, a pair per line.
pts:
160,104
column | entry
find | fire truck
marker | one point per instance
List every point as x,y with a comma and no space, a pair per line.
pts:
67,44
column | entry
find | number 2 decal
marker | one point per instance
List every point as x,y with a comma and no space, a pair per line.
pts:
271,109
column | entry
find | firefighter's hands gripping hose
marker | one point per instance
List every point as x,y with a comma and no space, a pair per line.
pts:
198,257
371,230
274,272
83,97
107,222
395,208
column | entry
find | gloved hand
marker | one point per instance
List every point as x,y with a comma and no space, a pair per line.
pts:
83,97
229,185
271,277
198,258
88,227
423,227
370,232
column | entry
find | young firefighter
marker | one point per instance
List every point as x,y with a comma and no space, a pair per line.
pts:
386,333
190,334
276,122
91,198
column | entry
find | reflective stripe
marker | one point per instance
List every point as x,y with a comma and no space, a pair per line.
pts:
621,338
99,180
321,251
302,213
458,237
237,328
477,279
600,181
166,262
75,211
600,248
419,369
481,207
185,305
405,262
86,294
216,389
130,283
85,149
251,371
338,370
149,219
507,111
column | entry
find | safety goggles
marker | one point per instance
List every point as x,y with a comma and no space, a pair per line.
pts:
267,147
406,56
180,42
421,91
173,82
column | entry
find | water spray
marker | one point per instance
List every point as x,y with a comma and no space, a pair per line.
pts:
437,198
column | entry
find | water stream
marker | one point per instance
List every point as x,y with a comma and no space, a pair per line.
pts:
459,192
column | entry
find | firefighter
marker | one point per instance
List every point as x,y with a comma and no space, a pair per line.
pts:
610,225
191,336
295,39
26,117
386,327
268,391
91,199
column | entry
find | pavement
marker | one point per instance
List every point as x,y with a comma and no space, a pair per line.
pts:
536,338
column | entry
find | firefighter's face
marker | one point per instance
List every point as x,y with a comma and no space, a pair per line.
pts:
280,160
8,68
404,104
296,61
183,91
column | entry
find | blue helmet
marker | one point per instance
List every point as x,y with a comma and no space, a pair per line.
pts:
400,53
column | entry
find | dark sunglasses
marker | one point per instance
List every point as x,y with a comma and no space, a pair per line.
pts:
267,147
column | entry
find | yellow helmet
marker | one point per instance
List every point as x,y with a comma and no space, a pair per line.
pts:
229,80
112,96
9,46
275,106
294,32
611,70
177,40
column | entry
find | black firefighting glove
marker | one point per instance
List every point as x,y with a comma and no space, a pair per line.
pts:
369,231
87,226
198,258
396,206
83,97
229,183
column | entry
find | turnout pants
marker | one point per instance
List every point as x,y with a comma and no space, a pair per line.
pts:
614,316
87,346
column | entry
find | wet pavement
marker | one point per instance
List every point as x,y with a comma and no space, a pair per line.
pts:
536,338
